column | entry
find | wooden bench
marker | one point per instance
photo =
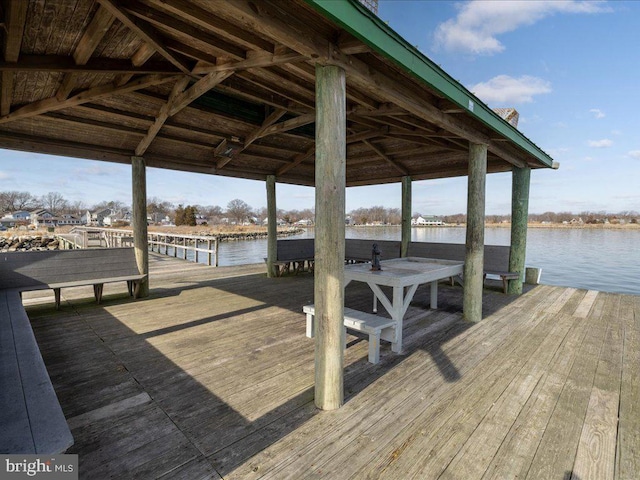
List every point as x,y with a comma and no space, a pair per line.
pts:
359,250
496,257
31,419
296,253
373,325
57,269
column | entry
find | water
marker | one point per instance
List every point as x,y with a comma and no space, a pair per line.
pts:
607,260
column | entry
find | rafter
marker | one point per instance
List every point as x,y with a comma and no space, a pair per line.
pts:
162,117
208,21
144,53
256,134
172,24
386,158
53,104
144,32
297,160
96,30
201,87
15,18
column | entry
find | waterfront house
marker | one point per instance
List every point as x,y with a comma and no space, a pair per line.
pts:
429,220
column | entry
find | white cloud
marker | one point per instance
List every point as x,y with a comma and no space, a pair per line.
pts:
634,154
4,175
506,90
597,113
604,143
478,22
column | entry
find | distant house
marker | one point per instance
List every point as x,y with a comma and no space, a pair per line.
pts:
576,221
21,215
424,221
43,218
67,219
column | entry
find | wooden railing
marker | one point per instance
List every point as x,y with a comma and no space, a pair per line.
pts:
187,247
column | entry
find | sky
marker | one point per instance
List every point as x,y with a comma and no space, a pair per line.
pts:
570,68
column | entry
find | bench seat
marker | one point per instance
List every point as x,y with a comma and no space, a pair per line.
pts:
31,419
373,325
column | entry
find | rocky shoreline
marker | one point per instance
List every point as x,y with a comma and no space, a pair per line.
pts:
24,243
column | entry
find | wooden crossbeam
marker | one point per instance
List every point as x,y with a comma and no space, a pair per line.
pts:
144,53
145,33
53,104
255,60
62,64
386,157
289,124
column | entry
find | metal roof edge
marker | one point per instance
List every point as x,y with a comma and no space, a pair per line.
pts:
370,29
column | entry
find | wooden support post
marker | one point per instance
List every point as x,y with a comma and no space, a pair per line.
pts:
329,242
474,259
521,179
406,216
208,252
272,226
215,263
139,220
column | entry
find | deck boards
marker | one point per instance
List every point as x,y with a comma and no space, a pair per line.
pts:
212,376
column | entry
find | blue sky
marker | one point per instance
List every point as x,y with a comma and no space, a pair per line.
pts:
570,68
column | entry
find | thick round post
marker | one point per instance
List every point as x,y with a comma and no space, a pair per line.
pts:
272,225
139,219
329,239
474,260
406,216
521,179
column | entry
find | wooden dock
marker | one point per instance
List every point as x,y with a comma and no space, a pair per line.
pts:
212,376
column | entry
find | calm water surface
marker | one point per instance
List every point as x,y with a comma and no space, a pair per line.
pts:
605,260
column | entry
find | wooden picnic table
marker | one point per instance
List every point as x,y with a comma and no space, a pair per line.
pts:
398,273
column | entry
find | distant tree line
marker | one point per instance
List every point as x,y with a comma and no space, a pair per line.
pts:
238,211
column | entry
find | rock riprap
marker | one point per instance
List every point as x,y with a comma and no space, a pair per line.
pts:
28,243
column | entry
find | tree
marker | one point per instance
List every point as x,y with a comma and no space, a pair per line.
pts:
54,202
190,215
12,201
238,210
179,215
158,209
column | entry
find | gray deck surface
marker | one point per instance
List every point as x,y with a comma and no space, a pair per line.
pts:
212,376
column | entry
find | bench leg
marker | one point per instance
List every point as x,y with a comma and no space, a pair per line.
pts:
310,326
505,283
136,289
374,348
130,287
97,292
56,293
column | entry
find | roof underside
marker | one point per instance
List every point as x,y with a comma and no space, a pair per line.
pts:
227,88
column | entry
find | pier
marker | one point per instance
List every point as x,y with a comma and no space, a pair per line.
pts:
212,376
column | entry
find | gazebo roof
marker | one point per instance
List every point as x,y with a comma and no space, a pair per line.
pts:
228,88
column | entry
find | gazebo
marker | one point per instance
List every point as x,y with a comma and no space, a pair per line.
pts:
307,92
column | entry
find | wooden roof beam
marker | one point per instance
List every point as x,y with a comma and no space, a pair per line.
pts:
178,27
256,134
95,32
289,124
145,33
205,19
253,60
53,104
297,160
386,158
162,117
62,64
144,53
201,87
15,19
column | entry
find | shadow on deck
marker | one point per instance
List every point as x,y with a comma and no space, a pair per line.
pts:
213,375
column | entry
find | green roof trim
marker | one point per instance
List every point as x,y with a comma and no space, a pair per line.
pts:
371,30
